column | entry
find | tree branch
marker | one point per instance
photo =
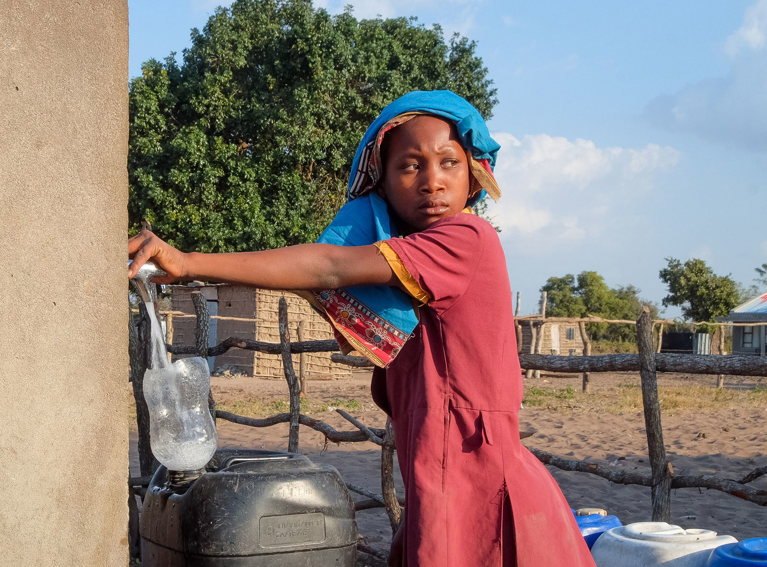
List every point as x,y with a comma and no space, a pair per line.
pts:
645,479
328,431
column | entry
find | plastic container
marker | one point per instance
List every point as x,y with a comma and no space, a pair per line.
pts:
746,553
594,525
250,508
182,431
651,544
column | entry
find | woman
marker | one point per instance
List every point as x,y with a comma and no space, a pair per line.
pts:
410,278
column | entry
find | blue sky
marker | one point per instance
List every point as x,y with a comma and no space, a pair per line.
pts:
630,132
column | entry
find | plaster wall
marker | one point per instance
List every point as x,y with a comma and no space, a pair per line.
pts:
63,286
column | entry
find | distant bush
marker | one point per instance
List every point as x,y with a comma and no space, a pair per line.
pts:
614,347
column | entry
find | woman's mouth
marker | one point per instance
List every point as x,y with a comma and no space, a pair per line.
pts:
434,208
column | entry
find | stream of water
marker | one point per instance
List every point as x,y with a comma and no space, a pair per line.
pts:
182,432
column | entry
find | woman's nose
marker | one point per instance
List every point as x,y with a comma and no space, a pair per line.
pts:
432,179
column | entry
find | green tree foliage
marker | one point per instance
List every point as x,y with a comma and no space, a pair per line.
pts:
588,294
563,298
700,293
248,143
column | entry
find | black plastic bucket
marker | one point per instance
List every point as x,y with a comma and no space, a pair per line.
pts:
250,508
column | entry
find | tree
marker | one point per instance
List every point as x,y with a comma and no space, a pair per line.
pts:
588,294
563,297
248,143
700,293
762,271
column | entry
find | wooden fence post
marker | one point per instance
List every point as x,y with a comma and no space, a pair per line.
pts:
169,330
138,334
662,471
290,376
202,324
517,326
541,326
538,344
138,330
533,334
301,360
586,352
201,334
720,377
660,338
388,491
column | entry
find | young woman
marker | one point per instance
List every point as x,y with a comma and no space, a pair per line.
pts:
410,278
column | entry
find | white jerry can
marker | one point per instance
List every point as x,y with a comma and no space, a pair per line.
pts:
651,544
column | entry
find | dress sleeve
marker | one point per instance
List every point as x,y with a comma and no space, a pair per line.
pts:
440,261
403,275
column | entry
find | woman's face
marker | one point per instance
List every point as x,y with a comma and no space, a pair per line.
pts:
426,172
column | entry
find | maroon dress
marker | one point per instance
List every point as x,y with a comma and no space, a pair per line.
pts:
474,495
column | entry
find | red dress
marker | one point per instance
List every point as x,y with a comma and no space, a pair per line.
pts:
475,496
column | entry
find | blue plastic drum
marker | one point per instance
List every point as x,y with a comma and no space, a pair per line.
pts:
746,553
594,525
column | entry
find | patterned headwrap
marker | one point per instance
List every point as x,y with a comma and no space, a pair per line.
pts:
377,320
472,131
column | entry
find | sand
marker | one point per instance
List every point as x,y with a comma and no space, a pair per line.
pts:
727,443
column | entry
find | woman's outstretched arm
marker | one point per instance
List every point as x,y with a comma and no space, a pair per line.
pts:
305,266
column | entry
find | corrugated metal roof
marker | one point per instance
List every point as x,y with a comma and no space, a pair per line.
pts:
755,305
752,310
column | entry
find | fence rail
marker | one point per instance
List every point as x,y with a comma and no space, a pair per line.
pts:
661,477
740,365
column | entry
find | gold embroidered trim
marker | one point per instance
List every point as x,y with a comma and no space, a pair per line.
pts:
405,278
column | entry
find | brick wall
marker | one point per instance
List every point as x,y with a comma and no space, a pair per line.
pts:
261,308
240,302
316,365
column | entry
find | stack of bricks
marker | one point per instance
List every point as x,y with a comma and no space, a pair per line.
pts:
250,313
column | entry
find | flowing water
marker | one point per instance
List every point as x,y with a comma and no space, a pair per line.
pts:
182,432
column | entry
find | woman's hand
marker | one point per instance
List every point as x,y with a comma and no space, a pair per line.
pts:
146,246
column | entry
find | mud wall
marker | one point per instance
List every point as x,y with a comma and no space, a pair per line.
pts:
63,287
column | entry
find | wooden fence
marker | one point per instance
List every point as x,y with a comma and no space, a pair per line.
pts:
661,478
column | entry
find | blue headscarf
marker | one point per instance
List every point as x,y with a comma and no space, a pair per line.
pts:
471,127
377,320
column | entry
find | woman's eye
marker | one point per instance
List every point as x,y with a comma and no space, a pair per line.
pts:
450,162
410,166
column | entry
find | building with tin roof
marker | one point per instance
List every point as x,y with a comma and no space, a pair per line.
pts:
749,333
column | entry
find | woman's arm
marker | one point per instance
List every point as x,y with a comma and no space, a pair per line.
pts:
306,266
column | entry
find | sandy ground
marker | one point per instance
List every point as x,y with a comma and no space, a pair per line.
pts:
726,443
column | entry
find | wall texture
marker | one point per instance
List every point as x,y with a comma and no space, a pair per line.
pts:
261,306
317,365
567,347
63,300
